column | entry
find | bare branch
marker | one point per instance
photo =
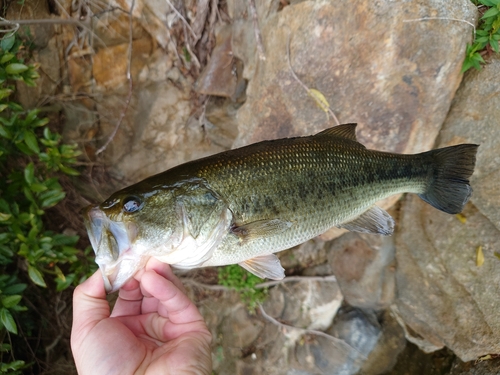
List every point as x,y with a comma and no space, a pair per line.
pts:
182,18
315,332
130,84
301,83
197,284
258,35
443,19
267,284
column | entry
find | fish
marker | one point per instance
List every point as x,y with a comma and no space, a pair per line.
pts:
244,205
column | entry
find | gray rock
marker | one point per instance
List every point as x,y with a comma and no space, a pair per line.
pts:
398,87
474,118
443,296
307,304
361,330
390,344
364,266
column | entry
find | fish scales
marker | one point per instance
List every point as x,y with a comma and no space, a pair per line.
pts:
243,205
315,184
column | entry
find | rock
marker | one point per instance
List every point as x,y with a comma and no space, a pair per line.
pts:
364,266
113,28
487,365
390,344
361,330
305,256
473,118
398,87
220,123
155,16
412,361
443,295
323,355
111,63
222,76
357,342
305,304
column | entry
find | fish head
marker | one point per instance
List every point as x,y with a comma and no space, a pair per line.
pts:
128,228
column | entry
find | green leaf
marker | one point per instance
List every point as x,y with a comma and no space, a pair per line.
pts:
29,173
7,320
5,133
24,149
31,141
14,288
490,13
7,43
36,276
69,171
37,188
4,217
25,217
63,283
7,57
40,122
5,92
16,68
32,115
10,301
494,45
51,198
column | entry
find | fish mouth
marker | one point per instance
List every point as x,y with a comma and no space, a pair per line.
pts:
111,241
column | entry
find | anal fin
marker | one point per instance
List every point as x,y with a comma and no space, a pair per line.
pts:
375,220
265,267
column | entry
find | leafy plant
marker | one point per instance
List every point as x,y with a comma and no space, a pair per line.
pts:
30,158
235,277
487,35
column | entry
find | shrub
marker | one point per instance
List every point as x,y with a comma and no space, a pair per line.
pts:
31,158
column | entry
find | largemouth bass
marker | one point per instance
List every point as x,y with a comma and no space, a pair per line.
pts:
242,206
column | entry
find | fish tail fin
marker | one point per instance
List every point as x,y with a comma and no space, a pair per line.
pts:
449,188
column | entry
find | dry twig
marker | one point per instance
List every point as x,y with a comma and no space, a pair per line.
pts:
258,35
443,19
308,90
130,85
186,23
267,284
263,285
304,331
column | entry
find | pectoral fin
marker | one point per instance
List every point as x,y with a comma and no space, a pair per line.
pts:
260,229
265,267
375,220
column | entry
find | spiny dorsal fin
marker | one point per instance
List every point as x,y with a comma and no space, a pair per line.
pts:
343,131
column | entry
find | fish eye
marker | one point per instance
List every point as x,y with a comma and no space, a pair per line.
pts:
132,204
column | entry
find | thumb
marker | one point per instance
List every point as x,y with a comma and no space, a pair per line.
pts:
89,306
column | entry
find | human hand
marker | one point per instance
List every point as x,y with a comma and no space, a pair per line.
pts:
154,328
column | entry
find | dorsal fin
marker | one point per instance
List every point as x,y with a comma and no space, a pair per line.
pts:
343,131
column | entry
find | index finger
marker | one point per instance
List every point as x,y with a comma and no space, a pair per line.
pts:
165,270
172,302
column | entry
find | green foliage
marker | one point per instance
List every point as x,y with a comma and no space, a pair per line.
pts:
236,277
30,158
487,35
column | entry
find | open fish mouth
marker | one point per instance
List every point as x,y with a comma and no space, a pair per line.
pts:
111,242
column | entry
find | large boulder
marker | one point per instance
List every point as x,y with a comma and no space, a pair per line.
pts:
444,295
474,118
376,62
